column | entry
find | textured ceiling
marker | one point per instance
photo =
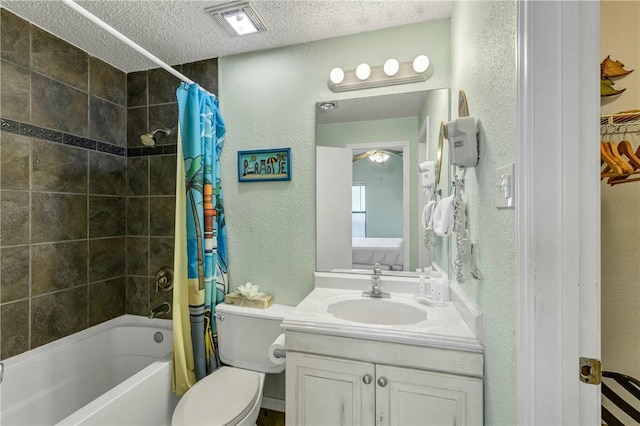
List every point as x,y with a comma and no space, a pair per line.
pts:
182,31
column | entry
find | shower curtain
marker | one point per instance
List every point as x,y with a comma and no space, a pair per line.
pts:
200,255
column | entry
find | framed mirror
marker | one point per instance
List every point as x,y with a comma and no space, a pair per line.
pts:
369,197
439,153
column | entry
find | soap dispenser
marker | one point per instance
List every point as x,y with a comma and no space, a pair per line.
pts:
421,281
436,276
439,287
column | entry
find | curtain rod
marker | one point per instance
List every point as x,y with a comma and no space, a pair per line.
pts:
93,18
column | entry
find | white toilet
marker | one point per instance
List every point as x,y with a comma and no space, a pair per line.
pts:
232,395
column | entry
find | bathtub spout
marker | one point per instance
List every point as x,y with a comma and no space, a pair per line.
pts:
165,308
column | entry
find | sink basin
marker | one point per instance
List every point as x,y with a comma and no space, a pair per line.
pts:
376,311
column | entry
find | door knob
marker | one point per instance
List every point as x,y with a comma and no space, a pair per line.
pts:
382,381
367,379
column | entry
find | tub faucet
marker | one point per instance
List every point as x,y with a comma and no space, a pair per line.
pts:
376,289
165,308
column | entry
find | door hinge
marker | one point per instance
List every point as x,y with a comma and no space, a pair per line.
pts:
590,371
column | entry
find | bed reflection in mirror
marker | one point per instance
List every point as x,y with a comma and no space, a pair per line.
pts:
368,194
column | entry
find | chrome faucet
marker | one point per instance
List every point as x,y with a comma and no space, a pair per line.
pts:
165,308
376,289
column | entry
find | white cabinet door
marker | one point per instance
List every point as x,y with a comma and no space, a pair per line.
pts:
413,397
329,391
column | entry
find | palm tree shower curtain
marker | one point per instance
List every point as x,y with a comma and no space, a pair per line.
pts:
200,255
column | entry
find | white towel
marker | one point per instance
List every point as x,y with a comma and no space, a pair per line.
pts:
443,219
427,215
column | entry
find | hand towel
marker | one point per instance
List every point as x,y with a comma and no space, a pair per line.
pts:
443,219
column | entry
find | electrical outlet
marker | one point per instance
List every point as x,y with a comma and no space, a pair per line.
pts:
505,187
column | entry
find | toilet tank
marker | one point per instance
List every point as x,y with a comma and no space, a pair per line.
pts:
245,334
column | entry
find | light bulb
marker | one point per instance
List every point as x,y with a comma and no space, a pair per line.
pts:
379,156
363,71
391,67
336,76
420,63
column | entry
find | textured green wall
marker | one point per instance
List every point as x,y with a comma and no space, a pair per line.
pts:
268,100
483,65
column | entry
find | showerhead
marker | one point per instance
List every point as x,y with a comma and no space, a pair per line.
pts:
149,139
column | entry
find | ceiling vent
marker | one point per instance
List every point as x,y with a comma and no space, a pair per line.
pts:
237,18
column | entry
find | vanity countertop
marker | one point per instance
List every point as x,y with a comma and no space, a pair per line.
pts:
446,326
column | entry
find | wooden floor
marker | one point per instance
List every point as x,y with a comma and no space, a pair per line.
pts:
270,418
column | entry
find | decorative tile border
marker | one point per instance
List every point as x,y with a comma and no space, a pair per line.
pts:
40,133
156,150
80,142
112,149
9,126
25,129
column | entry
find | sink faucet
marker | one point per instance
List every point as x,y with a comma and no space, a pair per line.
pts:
165,308
376,289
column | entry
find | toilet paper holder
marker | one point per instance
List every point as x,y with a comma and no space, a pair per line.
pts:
277,351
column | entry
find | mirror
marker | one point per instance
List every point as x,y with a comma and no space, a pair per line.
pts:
370,211
439,153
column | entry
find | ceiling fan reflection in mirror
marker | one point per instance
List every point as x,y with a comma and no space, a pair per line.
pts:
377,155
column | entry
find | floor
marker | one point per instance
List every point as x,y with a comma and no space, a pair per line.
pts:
270,418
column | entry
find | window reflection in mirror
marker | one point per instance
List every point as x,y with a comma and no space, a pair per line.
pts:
370,211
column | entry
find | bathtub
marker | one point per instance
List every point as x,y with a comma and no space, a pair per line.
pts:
115,373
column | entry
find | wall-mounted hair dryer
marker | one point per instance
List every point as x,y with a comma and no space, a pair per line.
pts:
428,173
463,141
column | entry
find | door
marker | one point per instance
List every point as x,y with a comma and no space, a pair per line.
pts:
333,207
557,211
328,391
413,397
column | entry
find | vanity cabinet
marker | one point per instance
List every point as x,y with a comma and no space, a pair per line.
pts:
323,390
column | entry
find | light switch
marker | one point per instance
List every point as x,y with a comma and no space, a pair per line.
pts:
505,187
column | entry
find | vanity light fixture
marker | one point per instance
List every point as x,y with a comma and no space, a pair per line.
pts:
392,72
237,18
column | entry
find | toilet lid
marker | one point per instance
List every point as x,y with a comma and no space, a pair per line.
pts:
222,398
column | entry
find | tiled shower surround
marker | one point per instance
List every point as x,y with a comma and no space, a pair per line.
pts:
86,213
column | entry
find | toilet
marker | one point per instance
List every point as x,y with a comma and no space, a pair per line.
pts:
232,395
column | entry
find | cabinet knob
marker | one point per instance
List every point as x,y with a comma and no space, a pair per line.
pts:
382,381
367,379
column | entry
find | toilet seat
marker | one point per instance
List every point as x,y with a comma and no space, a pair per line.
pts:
224,397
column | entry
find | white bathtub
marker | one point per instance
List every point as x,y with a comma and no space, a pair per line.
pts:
114,373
